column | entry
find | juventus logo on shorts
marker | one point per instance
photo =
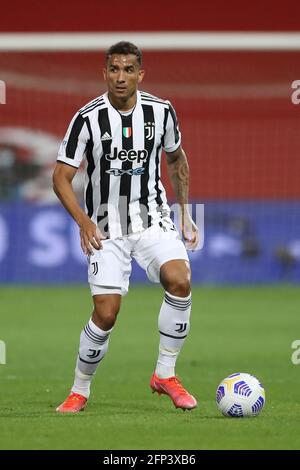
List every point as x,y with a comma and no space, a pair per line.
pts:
182,327
95,268
149,126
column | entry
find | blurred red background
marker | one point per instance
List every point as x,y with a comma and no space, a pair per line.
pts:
239,126
169,15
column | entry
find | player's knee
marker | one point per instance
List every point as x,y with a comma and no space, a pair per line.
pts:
105,312
179,286
105,319
175,277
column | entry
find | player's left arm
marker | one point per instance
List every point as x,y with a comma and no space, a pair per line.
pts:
178,172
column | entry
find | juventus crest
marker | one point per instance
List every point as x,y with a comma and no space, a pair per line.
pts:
149,128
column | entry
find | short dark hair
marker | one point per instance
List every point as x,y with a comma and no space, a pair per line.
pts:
124,47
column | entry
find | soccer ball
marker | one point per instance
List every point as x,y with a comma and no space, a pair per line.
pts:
240,395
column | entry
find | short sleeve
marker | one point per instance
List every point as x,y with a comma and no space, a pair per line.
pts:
73,146
172,135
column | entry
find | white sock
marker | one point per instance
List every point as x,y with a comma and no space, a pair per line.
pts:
173,325
92,349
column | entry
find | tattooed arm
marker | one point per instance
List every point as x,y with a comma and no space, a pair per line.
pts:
178,172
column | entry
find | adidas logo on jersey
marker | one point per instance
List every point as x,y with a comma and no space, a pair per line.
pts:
106,136
131,155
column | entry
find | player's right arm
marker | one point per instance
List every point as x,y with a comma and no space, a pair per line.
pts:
90,235
70,156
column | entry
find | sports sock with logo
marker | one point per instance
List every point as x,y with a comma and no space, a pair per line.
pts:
173,325
92,349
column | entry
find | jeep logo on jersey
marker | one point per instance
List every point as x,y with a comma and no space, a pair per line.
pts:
131,155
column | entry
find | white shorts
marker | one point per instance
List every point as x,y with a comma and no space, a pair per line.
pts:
110,268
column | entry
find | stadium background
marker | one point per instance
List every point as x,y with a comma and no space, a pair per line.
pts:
240,130
239,126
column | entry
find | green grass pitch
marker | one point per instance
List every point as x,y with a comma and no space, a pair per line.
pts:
233,329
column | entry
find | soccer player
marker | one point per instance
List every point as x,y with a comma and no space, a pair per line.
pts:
122,134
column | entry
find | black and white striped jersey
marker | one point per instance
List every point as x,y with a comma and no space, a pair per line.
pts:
123,188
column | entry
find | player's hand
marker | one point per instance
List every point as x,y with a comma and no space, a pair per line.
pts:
90,236
190,231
